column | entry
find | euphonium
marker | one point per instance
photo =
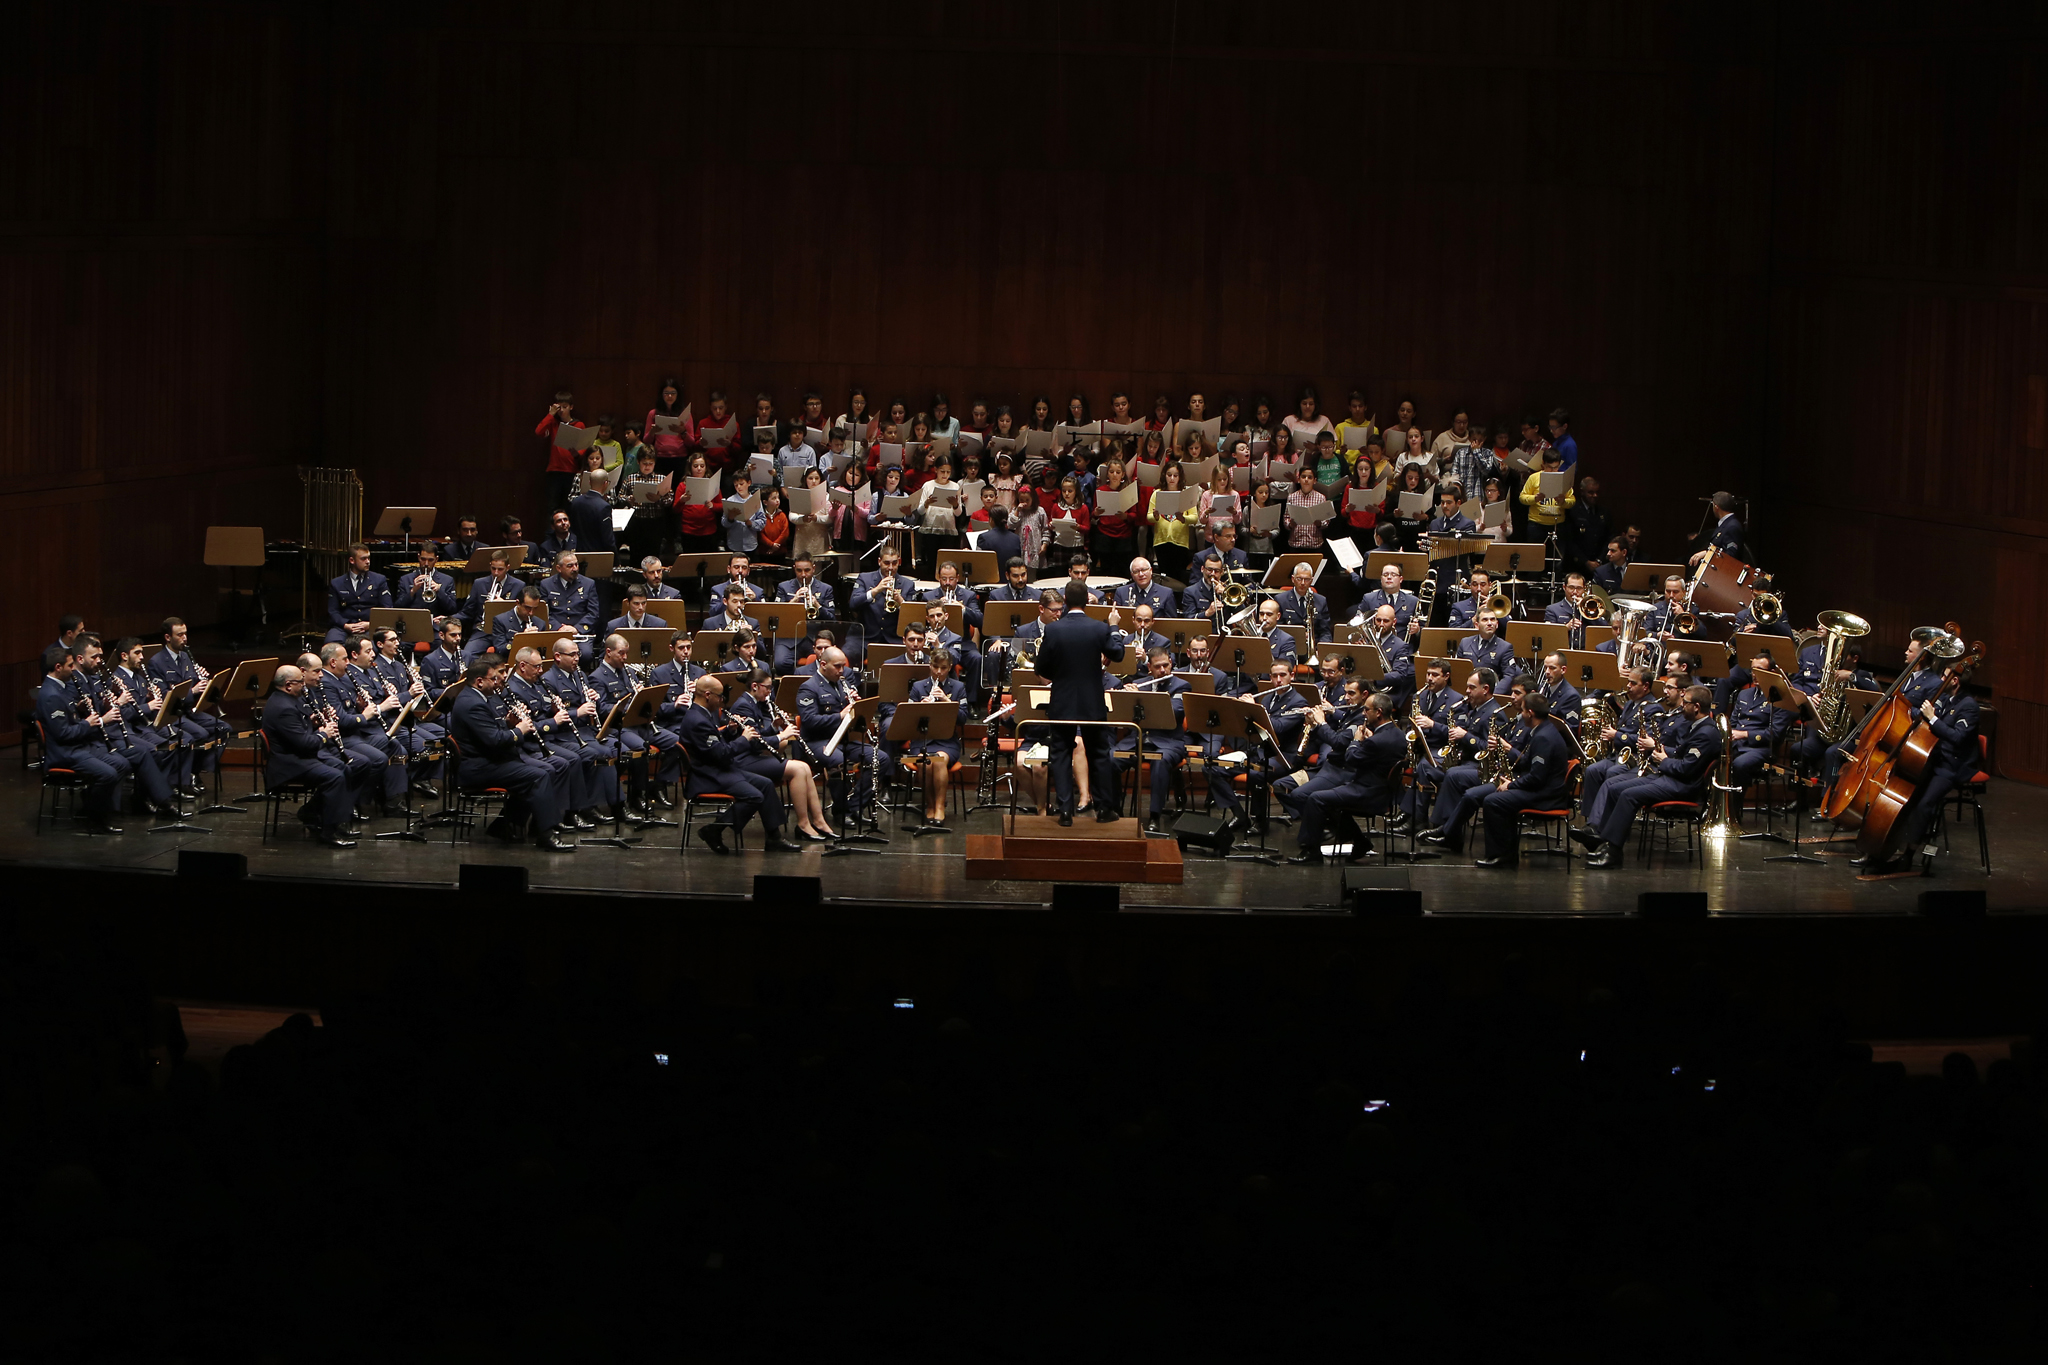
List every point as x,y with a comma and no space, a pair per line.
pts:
1720,822
1594,716
1831,702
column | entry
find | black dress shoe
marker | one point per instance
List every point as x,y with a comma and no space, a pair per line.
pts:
1066,819
1584,837
816,838
100,824
426,791
553,842
1397,823
664,800
1434,833
777,844
334,838
501,828
714,838
1360,852
1604,858
1312,858
1860,860
582,819
1155,826
1487,862
1106,815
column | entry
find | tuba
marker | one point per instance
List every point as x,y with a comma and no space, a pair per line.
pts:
1831,702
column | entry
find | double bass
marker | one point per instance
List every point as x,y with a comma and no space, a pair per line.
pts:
1902,749
1874,741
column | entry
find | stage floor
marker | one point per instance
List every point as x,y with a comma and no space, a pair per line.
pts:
932,869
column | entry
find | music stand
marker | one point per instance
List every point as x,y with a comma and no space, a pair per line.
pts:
1203,682
1142,711
850,839
630,712
1279,574
707,647
1414,565
1248,723
647,646
670,609
786,688
1238,655
1509,557
878,654
779,619
480,561
415,625
232,548
711,564
407,522
893,681
1003,618
976,566
1441,642
542,640
1364,659
1592,670
1647,578
1532,640
915,721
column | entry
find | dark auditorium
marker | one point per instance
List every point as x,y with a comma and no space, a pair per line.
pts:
660,643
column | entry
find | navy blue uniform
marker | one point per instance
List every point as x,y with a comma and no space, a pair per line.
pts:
819,706
1682,776
1070,660
1155,595
1169,747
1542,774
1496,654
1462,789
572,603
411,594
1405,605
495,755
77,744
297,752
362,738
1637,723
1294,611
200,728
1763,724
1956,759
717,752
870,611
350,598
1372,777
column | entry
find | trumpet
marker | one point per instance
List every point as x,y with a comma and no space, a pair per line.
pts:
892,600
810,601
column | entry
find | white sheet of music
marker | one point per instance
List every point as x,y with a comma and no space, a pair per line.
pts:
1552,483
970,493
1356,437
574,438
889,455
699,492
1267,518
1495,514
1115,500
1414,504
1171,502
1347,555
1147,473
1197,474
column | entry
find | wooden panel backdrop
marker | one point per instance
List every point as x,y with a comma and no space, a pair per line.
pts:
381,236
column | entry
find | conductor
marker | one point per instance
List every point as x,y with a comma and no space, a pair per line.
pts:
1070,658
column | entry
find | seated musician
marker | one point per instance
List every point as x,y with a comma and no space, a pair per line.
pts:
876,598
442,665
952,589
1199,647
560,540
938,635
653,577
496,752
821,702
529,612
1923,678
557,737
934,757
1022,646
1463,787
1388,594
464,544
512,533
1371,769
572,601
1167,749
351,595
1486,648
1301,600
1754,725
730,613
676,674
645,749
300,748
736,571
422,736
1566,609
1951,716
206,732
1639,721
563,680
1270,630
1539,781
1143,636
635,615
162,749
489,597
754,703
1265,761
820,642
1222,548
1329,740
1610,574
1662,620
1612,644
1682,667
1562,698
1144,589
1465,612
1465,732
385,693
1204,597
362,730
426,588
1682,769
1079,567
803,583
1016,584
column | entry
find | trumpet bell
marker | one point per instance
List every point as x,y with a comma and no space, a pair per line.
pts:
1766,608
1846,623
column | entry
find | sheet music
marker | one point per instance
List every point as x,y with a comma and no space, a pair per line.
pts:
700,492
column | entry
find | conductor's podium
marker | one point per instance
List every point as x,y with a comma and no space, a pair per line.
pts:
1037,849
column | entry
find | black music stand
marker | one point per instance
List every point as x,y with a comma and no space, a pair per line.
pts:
1141,711
407,522
248,684
175,740
1238,655
850,839
925,720
631,712
1248,723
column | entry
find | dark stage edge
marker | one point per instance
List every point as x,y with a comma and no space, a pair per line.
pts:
932,870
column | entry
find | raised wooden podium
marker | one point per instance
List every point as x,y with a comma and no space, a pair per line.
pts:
1038,849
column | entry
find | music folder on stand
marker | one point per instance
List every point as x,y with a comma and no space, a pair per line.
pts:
1248,723
922,722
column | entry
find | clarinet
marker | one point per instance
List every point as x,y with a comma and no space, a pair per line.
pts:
113,708
517,711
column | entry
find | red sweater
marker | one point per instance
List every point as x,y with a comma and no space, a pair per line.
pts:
669,445
560,461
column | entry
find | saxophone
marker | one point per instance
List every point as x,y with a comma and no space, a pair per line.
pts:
1494,764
